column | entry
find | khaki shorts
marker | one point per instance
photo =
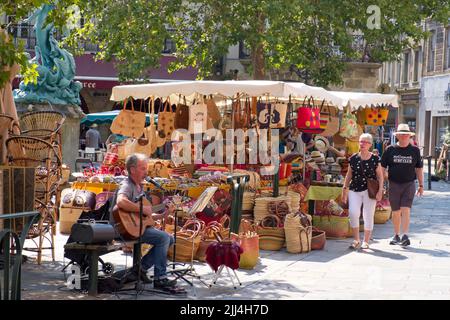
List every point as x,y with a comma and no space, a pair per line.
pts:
401,194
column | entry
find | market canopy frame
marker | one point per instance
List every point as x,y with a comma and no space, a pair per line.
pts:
227,89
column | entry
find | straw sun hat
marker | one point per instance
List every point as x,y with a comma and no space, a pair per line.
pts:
403,128
321,143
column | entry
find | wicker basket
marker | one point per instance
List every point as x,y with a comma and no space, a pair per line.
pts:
207,237
271,238
335,227
270,243
187,242
382,215
318,239
298,237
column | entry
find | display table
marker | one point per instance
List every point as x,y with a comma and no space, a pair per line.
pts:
321,193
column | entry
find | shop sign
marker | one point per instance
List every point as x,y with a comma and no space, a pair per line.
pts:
89,85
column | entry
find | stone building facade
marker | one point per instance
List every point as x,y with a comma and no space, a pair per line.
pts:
434,113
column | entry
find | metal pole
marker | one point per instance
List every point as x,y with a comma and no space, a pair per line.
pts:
429,171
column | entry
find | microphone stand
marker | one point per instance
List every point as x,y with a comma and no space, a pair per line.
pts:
137,255
139,287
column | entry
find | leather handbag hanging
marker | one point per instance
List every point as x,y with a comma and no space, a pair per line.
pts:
213,111
241,113
182,115
166,120
129,123
308,117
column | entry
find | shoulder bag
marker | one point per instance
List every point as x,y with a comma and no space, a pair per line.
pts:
372,184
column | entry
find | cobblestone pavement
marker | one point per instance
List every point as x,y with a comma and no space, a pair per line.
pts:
421,271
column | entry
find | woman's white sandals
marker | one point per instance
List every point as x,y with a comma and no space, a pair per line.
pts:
365,245
355,245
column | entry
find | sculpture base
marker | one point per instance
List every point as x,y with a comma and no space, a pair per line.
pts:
70,128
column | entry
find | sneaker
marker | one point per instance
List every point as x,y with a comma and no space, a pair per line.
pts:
395,240
405,241
144,277
164,283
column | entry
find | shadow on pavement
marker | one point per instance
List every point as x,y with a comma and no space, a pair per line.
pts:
384,254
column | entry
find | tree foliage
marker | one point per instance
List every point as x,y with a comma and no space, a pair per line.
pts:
312,35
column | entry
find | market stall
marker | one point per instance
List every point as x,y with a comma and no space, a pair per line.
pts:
316,130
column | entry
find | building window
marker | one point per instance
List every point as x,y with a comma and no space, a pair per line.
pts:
399,69
416,65
431,50
405,67
447,48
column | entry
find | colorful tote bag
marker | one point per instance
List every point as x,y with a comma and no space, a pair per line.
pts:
263,114
308,117
376,116
129,123
349,125
278,115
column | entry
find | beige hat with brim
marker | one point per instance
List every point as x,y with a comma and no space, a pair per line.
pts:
403,128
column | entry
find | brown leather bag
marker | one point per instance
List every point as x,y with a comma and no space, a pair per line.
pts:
372,185
182,116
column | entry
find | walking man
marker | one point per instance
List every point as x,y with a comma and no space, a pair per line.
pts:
404,165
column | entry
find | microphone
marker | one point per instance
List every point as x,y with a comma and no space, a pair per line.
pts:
153,182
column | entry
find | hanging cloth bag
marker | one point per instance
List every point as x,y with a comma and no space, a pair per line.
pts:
166,120
332,126
198,117
308,117
263,114
278,115
349,125
129,123
375,116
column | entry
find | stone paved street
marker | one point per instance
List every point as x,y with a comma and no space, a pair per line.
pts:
421,271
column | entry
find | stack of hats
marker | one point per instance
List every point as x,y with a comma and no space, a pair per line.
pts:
248,201
329,160
335,168
318,157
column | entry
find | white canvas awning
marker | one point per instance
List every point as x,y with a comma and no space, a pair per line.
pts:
252,88
360,99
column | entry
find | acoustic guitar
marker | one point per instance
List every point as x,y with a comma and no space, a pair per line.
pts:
128,222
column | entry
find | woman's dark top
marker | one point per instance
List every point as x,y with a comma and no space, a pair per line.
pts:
359,181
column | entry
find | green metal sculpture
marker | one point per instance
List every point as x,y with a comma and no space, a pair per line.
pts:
56,68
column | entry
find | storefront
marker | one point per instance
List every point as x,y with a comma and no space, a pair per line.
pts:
434,112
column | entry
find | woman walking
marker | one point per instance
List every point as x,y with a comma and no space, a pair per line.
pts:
363,165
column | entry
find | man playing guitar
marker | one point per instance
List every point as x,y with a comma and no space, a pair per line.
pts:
137,166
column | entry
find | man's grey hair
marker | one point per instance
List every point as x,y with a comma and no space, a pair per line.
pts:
133,159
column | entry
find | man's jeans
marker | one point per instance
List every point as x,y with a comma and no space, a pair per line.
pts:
157,255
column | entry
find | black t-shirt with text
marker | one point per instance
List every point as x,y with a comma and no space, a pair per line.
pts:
402,162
